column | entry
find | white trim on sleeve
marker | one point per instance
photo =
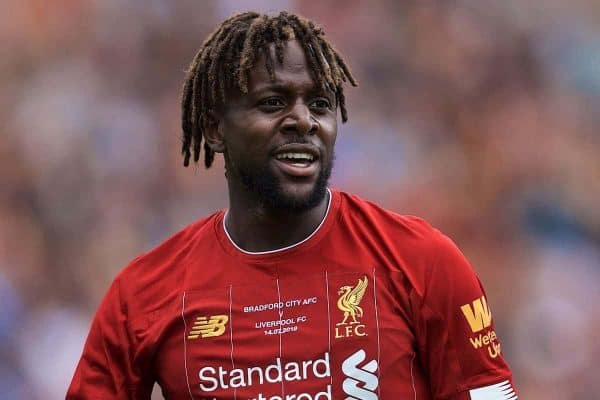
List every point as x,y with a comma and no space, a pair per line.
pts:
499,391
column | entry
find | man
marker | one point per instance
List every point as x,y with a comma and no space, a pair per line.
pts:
296,291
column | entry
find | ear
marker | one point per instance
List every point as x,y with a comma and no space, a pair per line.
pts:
213,132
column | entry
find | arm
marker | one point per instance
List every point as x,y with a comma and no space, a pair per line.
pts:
458,345
106,369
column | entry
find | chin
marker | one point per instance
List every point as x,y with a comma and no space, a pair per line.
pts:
281,194
297,199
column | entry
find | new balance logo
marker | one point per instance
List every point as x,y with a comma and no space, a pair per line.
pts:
478,315
208,327
361,382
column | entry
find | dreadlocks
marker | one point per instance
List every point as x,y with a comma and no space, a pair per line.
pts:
229,53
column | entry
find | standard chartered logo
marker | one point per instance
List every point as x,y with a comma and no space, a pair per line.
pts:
363,376
360,381
212,378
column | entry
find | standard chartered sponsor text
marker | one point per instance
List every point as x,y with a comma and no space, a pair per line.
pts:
324,395
212,378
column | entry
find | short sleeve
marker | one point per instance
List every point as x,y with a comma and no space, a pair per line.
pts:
106,369
457,343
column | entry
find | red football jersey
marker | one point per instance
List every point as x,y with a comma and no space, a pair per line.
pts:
373,305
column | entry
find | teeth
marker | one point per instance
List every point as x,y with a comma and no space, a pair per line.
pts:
295,156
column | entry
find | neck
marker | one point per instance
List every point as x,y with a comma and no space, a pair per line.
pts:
256,228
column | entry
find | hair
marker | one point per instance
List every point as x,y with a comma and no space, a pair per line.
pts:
230,52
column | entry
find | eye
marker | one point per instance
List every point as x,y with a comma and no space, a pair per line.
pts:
320,104
271,104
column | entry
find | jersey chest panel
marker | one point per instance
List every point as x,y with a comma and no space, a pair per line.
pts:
326,335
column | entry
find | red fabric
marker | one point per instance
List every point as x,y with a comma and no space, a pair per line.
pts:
201,318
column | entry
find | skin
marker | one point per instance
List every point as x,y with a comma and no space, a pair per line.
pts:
250,128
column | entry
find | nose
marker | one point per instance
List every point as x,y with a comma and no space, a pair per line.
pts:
300,121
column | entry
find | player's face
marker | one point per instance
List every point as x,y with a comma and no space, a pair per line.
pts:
279,137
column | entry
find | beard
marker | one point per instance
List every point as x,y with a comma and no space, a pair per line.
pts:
266,186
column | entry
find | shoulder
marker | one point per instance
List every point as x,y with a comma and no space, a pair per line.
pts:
149,279
375,218
176,244
422,251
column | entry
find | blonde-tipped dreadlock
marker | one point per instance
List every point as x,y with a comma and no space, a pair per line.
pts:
228,54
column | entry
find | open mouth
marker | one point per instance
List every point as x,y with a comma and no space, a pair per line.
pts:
297,161
300,160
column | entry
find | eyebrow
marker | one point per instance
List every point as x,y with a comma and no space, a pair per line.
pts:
279,87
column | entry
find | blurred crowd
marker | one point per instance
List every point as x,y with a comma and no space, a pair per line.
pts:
480,116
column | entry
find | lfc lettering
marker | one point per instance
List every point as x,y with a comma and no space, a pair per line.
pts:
345,331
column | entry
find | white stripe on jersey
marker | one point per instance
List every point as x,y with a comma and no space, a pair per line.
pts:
499,391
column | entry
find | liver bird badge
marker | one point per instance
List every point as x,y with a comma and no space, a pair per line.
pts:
349,301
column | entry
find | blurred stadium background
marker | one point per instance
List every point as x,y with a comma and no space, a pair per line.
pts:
481,116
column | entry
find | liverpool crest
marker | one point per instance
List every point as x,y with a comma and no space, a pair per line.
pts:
349,304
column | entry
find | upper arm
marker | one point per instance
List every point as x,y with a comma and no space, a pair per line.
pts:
107,369
457,342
